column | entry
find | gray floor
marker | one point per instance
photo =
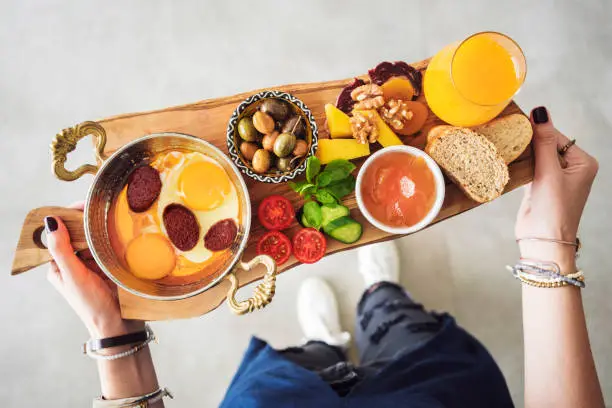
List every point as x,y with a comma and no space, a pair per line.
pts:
68,61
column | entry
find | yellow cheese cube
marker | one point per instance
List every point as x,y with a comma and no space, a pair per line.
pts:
332,149
337,122
386,136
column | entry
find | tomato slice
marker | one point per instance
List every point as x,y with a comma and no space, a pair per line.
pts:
309,245
276,212
276,244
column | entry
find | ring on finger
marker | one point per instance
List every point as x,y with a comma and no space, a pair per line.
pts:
566,147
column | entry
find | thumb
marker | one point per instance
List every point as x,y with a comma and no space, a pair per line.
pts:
544,142
58,243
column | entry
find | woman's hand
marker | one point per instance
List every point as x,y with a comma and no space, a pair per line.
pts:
554,201
90,294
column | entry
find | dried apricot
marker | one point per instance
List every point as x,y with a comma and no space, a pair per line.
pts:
419,117
398,88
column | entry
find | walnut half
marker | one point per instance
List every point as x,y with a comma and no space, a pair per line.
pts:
364,127
368,96
395,112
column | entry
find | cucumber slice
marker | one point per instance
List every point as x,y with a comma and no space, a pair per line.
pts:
332,212
301,218
344,229
304,222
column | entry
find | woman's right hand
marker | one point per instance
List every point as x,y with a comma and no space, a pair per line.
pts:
553,203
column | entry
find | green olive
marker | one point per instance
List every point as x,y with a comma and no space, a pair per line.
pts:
248,150
284,144
246,130
276,108
284,163
261,161
295,125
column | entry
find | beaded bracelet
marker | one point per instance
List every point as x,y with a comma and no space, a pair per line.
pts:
97,356
541,283
545,274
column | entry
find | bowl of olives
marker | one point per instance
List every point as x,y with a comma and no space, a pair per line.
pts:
270,135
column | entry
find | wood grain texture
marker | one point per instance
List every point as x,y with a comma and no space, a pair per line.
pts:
208,120
31,252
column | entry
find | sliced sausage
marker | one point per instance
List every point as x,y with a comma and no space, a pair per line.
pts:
221,235
144,185
182,226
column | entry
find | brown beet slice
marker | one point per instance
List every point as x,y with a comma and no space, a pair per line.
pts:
143,189
344,102
182,226
221,235
385,70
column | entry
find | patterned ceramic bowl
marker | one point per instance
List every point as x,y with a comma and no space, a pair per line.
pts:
247,108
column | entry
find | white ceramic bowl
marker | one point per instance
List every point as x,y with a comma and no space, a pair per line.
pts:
440,189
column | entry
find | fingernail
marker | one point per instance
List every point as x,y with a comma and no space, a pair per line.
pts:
540,115
50,224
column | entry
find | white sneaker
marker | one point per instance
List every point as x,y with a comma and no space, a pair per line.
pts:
318,313
379,262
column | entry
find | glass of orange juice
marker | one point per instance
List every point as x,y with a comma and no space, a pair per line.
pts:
470,82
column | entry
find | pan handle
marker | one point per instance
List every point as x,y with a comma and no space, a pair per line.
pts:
66,141
264,292
31,251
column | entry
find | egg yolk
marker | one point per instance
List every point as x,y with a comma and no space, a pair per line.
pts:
150,256
204,185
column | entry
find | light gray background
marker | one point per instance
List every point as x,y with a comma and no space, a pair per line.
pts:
63,62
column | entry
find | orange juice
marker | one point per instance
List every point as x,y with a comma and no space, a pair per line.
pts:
468,83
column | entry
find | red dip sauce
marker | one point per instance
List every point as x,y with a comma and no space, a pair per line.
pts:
398,189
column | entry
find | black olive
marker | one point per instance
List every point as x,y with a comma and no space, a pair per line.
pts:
276,108
295,125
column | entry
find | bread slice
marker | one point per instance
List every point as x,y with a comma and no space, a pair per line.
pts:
511,135
471,161
437,131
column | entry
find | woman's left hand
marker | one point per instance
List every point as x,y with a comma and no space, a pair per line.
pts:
86,289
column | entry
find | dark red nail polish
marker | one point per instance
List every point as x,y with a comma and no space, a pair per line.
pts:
50,224
540,115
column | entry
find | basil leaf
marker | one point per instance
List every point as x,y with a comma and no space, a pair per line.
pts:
303,187
325,197
336,170
313,167
323,179
340,166
298,185
308,189
342,188
313,214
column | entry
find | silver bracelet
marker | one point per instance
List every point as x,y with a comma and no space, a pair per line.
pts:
133,402
97,356
545,274
576,244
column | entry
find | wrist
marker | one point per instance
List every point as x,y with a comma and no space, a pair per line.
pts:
115,327
563,255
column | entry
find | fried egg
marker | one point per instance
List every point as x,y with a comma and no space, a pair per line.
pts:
200,184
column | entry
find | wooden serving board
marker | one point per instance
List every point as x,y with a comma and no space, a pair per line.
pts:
208,120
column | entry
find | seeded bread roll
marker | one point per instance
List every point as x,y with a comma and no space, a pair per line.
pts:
471,161
511,135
